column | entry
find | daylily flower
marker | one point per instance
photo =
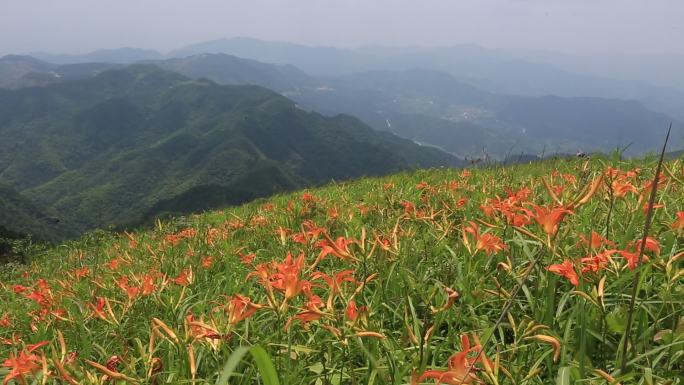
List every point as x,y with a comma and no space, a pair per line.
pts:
596,241
339,248
651,244
240,308
334,283
287,278
131,291
452,296
5,321
352,312
207,261
148,286
632,258
549,219
678,224
621,188
199,330
18,289
23,364
184,278
98,307
487,242
460,371
81,273
312,313
310,232
596,263
247,259
567,270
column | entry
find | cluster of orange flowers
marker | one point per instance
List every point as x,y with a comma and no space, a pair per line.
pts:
301,292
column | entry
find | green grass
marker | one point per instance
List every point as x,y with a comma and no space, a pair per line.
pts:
411,246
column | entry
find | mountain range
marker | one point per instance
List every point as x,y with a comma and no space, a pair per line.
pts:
131,144
529,73
92,141
431,107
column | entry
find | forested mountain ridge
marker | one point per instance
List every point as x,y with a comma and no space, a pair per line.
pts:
133,143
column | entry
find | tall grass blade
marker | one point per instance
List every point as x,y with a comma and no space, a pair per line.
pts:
264,364
262,360
637,274
563,377
231,365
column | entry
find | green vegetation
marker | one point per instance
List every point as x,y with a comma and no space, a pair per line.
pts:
127,145
432,107
375,281
20,216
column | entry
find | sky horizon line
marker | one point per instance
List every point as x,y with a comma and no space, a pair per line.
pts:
341,47
577,26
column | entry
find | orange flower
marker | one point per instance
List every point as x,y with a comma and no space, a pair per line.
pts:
130,291
483,242
352,312
81,273
184,278
313,313
567,270
240,308
459,371
335,282
678,224
207,261
25,363
287,278
651,244
596,241
632,258
596,262
339,248
549,219
247,259
198,330
310,232
5,321
452,296
98,308
621,188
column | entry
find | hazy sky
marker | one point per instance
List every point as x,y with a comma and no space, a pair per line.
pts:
561,25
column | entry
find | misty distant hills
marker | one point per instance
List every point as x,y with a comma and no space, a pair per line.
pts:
433,107
491,70
17,71
124,55
14,67
227,69
130,144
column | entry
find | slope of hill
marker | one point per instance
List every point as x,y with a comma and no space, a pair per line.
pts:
374,281
14,67
20,217
130,144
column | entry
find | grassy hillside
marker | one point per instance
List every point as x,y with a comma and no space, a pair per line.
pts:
130,144
390,280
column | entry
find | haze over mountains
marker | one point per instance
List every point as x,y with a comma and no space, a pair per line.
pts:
133,143
118,137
